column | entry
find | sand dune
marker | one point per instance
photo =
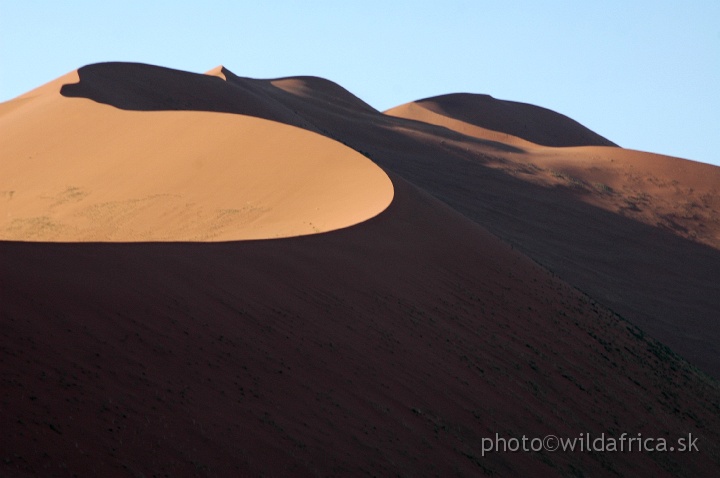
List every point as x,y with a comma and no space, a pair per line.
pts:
419,112
392,347
475,293
312,87
638,231
680,195
529,122
76,170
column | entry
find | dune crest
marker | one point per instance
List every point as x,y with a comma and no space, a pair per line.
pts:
76,170
529,122
217,71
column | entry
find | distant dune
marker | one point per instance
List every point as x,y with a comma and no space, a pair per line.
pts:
456,268
529,122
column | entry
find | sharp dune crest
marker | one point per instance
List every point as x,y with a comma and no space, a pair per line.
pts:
217,71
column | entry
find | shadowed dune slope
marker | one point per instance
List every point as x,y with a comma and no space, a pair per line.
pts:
389,348
629,228
141,87
531,123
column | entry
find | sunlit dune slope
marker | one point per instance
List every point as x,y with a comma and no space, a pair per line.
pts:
76,170
677,195
419,112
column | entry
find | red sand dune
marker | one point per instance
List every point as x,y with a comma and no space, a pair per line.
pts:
77,170
392,347
529,122
638,231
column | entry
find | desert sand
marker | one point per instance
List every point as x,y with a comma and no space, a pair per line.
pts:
683,195
529,122
77,170
639,231
468,281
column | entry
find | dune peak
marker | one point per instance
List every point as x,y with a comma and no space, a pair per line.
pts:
215,71
220,71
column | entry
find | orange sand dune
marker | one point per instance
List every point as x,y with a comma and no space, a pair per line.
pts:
679,195
76,170
633,249
638,231
672,193
419,112
312,87
482,300
390,348
529,122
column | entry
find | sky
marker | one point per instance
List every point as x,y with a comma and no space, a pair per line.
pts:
644,74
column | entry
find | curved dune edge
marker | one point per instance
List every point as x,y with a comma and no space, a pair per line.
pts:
77,171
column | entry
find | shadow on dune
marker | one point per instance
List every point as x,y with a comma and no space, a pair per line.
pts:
661,282
532,123
140,87
657,280
350,351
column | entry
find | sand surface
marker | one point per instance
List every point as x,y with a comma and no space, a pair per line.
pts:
392,347
475,282
532,123
636,230
77,170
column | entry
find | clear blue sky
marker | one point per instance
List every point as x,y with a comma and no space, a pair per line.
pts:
645,74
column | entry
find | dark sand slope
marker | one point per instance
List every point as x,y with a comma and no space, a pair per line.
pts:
610,221
392,347
638,231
